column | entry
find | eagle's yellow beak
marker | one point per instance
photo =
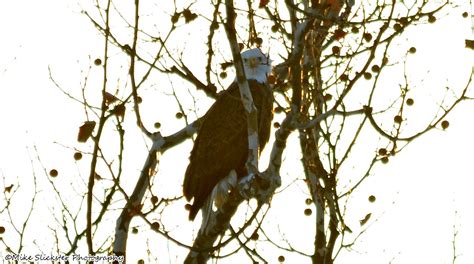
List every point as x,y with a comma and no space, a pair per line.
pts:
253,62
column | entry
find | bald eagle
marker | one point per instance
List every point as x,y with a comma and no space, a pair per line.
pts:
220,150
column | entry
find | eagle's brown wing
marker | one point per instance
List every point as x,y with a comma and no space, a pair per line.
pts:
222,144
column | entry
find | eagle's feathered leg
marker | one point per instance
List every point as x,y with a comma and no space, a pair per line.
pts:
218,197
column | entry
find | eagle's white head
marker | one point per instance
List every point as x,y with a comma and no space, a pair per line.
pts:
257,66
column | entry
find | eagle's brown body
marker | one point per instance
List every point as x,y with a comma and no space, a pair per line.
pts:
222,143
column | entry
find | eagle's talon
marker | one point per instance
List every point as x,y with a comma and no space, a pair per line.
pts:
246,189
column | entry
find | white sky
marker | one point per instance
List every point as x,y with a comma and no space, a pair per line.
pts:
420,194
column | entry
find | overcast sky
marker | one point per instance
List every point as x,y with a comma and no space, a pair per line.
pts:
423,192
